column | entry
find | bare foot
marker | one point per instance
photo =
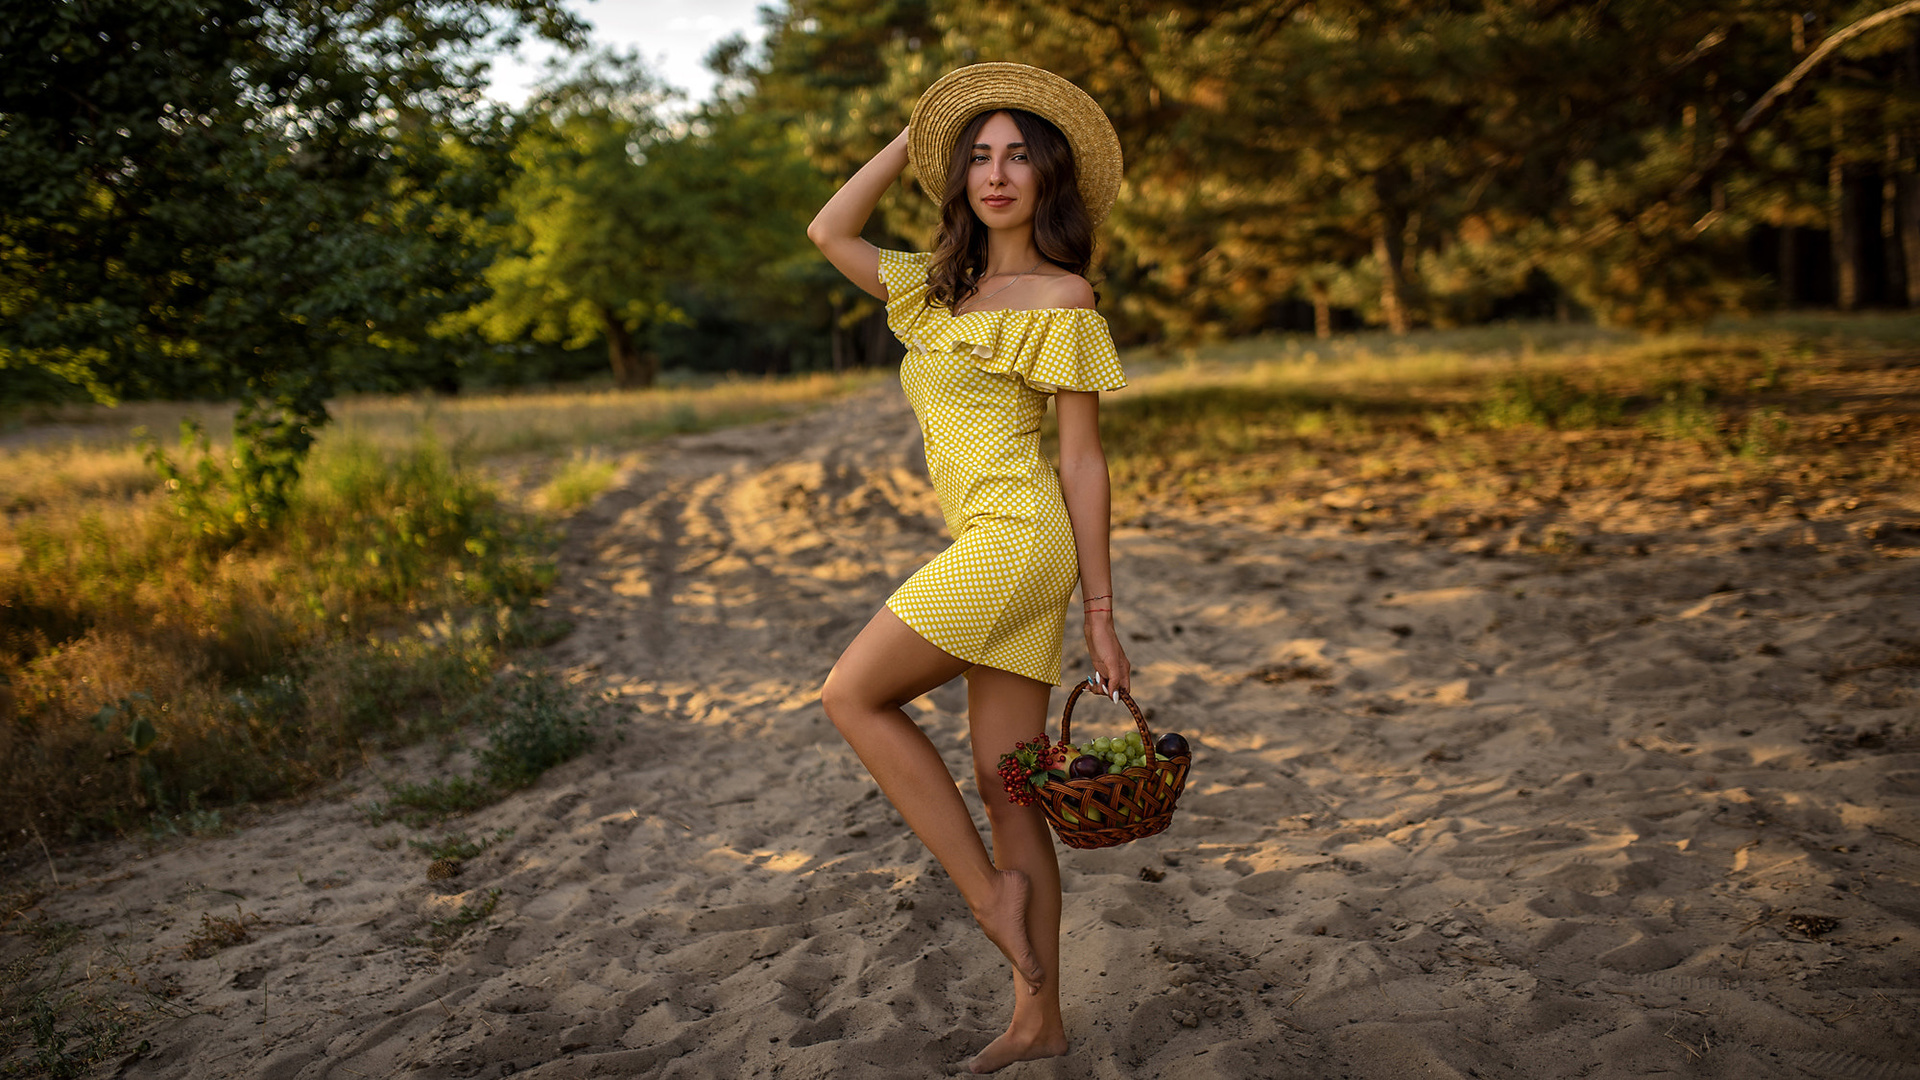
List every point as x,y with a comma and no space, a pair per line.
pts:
1004,918
1012,1047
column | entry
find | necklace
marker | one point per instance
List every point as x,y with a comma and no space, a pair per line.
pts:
1008,285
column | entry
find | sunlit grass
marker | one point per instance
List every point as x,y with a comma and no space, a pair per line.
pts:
577,482
475,425
1512,424
377,614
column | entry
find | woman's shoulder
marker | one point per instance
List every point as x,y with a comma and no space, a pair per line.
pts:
1064,291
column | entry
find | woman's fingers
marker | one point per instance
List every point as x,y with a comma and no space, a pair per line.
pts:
1109,686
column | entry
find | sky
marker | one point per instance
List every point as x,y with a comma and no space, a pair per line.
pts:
673,36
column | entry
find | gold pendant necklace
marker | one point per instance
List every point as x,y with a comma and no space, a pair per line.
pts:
1008,285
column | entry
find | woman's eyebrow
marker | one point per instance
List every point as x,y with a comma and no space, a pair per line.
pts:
1010,146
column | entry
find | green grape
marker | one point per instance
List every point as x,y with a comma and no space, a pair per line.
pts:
1114,768
1101,745
1133,739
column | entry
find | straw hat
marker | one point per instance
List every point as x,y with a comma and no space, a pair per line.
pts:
948,105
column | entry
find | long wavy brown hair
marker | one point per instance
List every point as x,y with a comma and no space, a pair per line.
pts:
1062,230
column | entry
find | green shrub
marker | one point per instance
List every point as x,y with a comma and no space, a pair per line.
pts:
152,676
541,723
1546,400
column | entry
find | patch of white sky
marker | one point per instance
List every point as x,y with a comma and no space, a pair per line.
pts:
673,38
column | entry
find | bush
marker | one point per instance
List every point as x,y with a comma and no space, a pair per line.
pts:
148,672
541,725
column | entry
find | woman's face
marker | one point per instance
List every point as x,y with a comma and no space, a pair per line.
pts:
1001,183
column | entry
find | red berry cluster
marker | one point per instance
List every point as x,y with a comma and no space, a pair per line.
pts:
1027,759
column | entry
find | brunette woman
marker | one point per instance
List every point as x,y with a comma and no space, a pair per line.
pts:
997,319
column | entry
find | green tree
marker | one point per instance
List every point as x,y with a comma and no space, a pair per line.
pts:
842,75
211,198
618,213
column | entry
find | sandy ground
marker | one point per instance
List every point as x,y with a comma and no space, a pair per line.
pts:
1456,813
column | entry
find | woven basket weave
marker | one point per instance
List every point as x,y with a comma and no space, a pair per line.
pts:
1118,807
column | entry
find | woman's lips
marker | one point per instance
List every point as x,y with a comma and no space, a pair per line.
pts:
998,202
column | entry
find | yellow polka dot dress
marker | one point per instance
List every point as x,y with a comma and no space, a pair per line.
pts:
979,385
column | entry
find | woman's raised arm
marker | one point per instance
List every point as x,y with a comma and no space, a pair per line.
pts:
836,228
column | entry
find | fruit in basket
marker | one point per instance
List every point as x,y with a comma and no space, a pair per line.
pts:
1172,744
1026,763
1085,767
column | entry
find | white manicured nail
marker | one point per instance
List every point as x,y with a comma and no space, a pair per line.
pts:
1116,697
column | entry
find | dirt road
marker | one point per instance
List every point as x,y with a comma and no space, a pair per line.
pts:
1453,815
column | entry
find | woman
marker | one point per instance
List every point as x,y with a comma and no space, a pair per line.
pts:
996,319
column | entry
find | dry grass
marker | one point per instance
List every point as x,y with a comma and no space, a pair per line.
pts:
145,680
604,420
1563,439
217,932
476,426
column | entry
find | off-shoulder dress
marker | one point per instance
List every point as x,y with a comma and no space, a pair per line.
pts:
979,384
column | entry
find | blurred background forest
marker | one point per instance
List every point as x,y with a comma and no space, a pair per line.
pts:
284,200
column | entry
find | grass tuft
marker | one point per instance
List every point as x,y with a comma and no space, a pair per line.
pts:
423,804
217,932
578,482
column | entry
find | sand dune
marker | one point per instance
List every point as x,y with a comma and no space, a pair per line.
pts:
1456,813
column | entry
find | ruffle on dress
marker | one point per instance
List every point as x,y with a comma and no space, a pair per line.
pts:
1049,349
905,275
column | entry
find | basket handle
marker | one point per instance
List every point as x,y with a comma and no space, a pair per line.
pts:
1066,717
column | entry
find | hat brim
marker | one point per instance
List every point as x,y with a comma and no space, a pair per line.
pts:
944,111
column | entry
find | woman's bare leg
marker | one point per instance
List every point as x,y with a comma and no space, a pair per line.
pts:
1004,709
888,665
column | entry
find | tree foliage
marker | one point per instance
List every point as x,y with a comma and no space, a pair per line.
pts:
274,199
222,197
1408,161
617,215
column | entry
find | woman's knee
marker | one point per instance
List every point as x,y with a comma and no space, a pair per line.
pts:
845,700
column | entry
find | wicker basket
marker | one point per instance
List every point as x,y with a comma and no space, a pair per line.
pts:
1112,809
